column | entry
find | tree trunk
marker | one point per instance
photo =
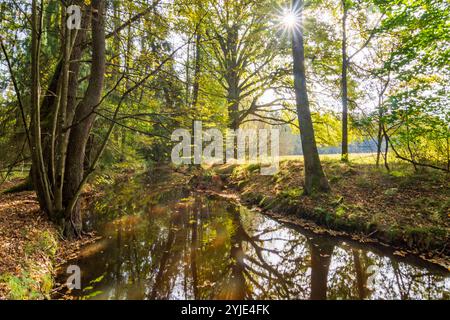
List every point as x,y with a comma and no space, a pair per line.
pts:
60,126
379,137
344,84
448,150
314,176
233,101
386,150
232,77
84,118
197,70
39,169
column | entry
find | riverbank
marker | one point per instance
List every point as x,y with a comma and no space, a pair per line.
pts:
165,227
30,246
404,209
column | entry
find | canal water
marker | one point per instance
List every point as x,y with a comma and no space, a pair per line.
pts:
173,244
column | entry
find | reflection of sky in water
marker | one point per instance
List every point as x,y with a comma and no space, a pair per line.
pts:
205,249
387,279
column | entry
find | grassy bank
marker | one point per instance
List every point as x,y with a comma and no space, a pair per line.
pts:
28,247
402,208
31,247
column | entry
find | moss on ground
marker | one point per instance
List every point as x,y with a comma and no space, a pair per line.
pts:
28,247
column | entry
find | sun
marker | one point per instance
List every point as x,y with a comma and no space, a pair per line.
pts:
289,20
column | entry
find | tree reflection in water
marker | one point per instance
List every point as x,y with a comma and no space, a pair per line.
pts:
200,248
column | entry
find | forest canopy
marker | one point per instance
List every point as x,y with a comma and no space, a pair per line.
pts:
114,88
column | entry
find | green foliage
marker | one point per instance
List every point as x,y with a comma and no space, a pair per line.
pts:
253,167
240,173
363,182
391,192
413,109
292,193
34,282
20,287
341,211
26,287
417,109
47,243
423,237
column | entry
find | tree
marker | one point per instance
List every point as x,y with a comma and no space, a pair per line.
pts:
344,83
314,176
242,53
416,113
362,30
63,115
61,125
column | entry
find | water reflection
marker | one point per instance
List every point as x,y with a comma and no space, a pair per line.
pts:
200,248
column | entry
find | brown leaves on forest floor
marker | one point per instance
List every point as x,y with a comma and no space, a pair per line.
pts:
30,246
25,236
419,200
